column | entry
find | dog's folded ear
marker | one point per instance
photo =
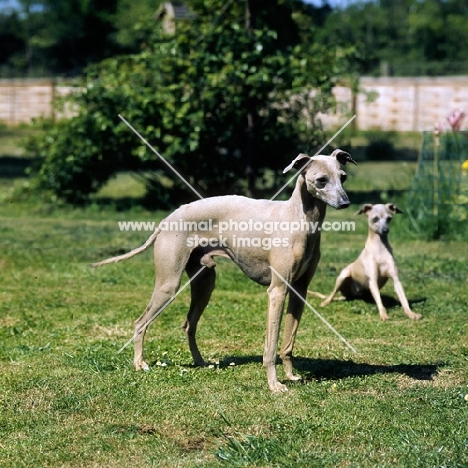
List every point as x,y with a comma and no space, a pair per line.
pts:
393,208
299,163
364,208
343,157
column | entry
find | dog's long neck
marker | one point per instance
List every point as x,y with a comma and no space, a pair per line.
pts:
307,205
378,241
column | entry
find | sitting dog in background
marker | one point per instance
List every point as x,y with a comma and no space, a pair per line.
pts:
374,266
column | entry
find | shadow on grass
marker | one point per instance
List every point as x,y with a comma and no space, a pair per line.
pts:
335,369
389,302
12,167
118,204
331,369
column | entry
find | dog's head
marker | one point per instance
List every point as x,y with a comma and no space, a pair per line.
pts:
324,176
379,216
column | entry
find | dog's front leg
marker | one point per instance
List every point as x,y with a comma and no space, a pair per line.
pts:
293,317
276,298
297,296
402,297
374,289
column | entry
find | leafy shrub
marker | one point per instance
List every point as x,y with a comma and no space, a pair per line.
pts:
189,94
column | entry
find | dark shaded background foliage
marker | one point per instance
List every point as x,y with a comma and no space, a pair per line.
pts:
401,37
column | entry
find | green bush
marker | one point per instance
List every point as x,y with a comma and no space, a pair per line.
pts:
189,94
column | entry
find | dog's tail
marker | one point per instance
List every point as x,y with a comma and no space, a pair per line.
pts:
317,294
323,296
131,254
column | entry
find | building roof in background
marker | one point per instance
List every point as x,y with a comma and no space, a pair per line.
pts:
170,12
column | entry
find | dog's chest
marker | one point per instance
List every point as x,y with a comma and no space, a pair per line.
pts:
304,251
310,244
385,264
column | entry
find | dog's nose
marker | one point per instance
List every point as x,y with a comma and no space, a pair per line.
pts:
344,203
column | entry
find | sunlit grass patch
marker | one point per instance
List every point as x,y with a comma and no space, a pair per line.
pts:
69,398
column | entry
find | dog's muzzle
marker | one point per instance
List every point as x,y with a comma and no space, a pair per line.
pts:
343,203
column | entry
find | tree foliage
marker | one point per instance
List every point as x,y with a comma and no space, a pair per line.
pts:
411,37
189,94
50,37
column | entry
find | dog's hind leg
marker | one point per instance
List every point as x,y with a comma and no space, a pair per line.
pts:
317,294
169,271
344,276
163,295
201,288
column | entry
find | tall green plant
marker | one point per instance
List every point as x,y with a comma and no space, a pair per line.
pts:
437,202
189,95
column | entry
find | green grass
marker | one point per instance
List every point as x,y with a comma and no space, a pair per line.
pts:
400,140
380,176
122,185
68,398
11,139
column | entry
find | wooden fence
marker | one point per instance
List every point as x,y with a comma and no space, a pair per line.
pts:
400,104
387,103
24,99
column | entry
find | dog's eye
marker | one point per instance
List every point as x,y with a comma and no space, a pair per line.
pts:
374,220
343,178
322,181
389,219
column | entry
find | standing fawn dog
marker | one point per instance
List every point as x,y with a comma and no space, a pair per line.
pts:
287,259
374,266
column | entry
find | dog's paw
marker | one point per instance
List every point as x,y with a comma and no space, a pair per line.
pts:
294,378
414,316
141,365
277,387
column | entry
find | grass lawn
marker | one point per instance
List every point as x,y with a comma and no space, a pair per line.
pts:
69,398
